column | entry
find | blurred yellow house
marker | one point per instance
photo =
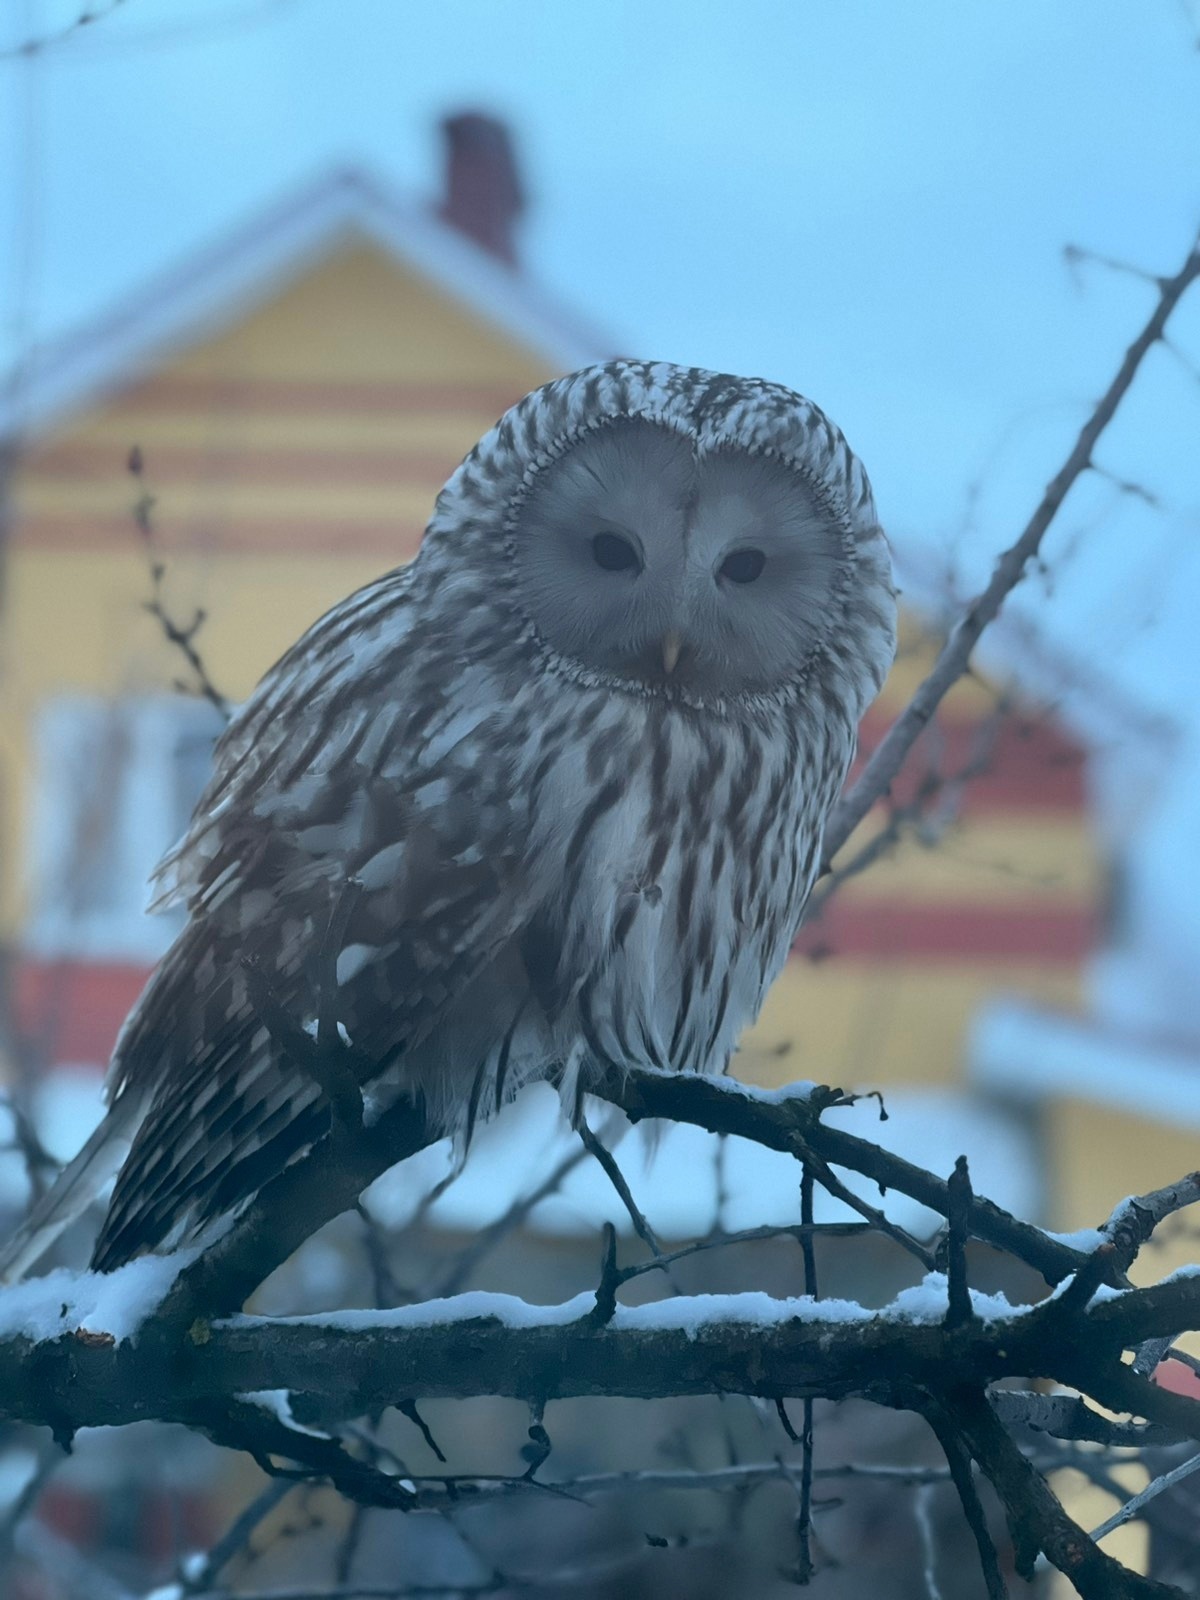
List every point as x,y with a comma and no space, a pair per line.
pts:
298,392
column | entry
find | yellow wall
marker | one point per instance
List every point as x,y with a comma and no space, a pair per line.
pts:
239,491
1102,1154
882,1024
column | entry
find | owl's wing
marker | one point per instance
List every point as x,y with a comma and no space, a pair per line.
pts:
381,765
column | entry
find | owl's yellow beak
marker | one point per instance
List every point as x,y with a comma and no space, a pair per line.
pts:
671,646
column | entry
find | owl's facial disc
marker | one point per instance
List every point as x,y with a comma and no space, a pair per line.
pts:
642,559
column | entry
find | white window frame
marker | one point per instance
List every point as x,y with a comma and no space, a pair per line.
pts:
146,821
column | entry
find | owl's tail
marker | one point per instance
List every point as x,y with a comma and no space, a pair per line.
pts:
77,1185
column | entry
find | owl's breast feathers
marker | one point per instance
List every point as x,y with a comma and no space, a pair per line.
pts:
548,873
692,847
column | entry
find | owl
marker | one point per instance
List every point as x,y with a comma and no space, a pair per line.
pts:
547,800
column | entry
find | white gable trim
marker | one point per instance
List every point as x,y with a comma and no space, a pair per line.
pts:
247,267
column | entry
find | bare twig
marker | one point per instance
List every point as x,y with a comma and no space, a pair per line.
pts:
945,789
96,11
1130,1509
922,1510
181,635
236,1538
958,1459
960,1195
804,1557
829,1181
608,1164
713,1481
486,1240
765,1235
797,1128
882,769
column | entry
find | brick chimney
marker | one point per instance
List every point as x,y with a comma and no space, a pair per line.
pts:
483,197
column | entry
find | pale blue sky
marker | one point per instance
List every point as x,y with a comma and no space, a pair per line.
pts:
867,200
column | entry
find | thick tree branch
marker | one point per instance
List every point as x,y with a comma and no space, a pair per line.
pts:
357,1363
292,1207
1037,1521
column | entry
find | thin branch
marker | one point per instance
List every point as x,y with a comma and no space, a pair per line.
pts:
26,1141
49,1459
764,1235
1076,256
741,1476
958,1459
795,1126
181,635
486,1240
884,766
878,1219
1130,1509
922,1510
71,1572
804,1558
1069,1417
948,789
39,44
608,1164
236,1538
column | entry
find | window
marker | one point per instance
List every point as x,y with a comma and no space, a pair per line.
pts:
113,785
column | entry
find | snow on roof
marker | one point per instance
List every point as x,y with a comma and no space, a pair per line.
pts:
249,263
1028,1054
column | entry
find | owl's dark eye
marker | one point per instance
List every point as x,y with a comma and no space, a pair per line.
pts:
614,554
743,566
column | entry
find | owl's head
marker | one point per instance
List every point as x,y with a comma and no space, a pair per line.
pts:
685,532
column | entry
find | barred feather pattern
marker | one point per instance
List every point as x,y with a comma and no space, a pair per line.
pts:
559,866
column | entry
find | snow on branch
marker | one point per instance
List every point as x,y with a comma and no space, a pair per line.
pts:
344,1364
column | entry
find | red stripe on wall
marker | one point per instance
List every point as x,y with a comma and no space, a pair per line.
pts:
72,1011
895,932
177,392
1030,765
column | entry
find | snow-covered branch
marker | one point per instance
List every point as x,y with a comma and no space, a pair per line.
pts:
85,1350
